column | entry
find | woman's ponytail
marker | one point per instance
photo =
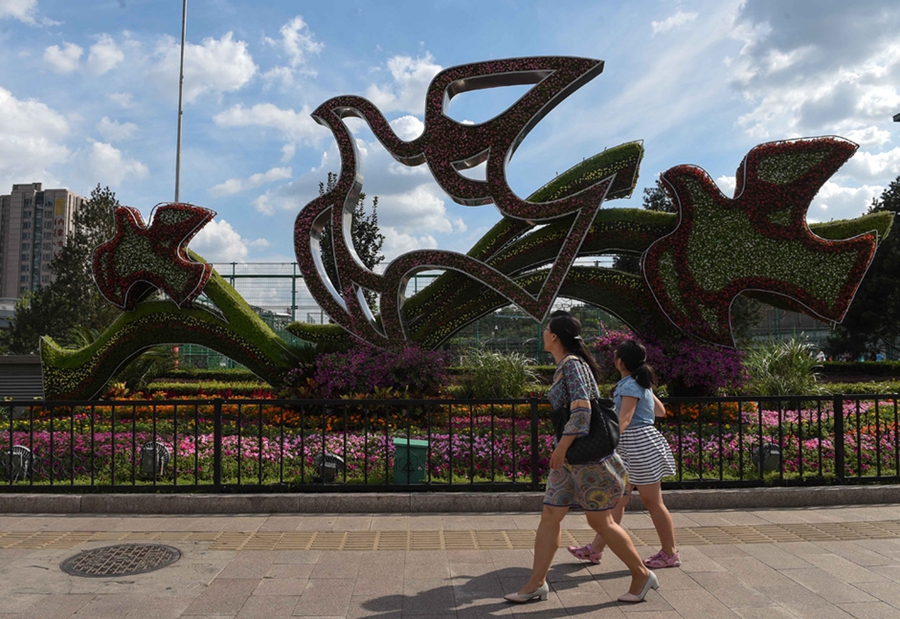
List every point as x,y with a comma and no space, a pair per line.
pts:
634,356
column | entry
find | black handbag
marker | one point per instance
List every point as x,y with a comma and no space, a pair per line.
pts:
602,438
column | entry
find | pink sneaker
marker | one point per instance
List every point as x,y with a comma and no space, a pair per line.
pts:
661,559
586,553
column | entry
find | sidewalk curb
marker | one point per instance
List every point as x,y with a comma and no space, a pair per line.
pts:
457,502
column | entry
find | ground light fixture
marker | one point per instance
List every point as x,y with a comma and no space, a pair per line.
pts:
328,466
767,457
16,463
154,458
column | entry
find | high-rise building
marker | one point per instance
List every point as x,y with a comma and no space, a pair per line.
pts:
34,225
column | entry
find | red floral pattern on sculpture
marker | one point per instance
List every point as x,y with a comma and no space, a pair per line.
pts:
757,242
139,258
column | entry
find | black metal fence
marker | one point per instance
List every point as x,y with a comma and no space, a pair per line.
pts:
238,445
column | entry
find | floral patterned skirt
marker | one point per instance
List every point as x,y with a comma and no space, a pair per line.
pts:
594,486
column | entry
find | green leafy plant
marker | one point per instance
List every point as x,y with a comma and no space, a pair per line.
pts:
496,375
783,368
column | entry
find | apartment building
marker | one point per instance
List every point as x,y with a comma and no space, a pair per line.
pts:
34,224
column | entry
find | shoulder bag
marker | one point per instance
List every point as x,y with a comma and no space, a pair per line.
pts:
603,437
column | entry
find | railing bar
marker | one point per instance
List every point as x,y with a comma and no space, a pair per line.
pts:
72,447
494,440
112,462
259,446
877,440
281,444
800,439
133,445
858,440
197,443
346,458
366,413
240,443
175,445
93,448
472,444
721,448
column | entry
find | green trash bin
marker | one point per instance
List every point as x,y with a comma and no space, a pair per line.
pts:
410,460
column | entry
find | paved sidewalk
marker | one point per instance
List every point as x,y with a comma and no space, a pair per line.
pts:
818,562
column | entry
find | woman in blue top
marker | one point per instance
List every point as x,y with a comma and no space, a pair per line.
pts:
594,486
645,452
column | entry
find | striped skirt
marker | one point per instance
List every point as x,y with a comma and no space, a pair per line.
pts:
646,455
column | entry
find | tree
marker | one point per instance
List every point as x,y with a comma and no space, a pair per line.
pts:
71,299
873,321
367,237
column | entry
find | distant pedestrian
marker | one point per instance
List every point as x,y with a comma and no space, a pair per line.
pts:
644,450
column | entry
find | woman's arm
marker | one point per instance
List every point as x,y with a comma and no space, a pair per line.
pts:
626,411
659,409
558,457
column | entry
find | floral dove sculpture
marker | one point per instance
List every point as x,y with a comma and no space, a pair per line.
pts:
757,242
447,146
138,257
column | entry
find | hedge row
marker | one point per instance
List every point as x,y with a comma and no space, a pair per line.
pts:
861,368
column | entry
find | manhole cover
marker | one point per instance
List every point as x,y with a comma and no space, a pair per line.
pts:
121,560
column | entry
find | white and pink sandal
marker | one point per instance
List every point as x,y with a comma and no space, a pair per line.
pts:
586,553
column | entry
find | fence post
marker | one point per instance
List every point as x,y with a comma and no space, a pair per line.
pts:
535,476
838,405
217,444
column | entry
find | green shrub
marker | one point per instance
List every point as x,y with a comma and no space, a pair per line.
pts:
211,388
232,374
496,375
782,368
870,387
866,368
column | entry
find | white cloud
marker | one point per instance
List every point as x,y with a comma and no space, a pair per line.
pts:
408,127
23,10
215,66
32,138
817,68
63,59
296,126
113,130
410,79
297,41
727,185
106,165
417,210
868,136
835,201
104,55
217,241
670,23
234,185
260,243
122,99
397,242
872,166
263,204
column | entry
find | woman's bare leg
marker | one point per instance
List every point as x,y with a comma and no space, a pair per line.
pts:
619,542
618,513
651,497
546,543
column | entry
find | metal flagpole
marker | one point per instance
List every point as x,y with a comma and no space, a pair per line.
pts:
180,102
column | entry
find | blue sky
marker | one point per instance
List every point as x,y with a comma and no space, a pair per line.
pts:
88,94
